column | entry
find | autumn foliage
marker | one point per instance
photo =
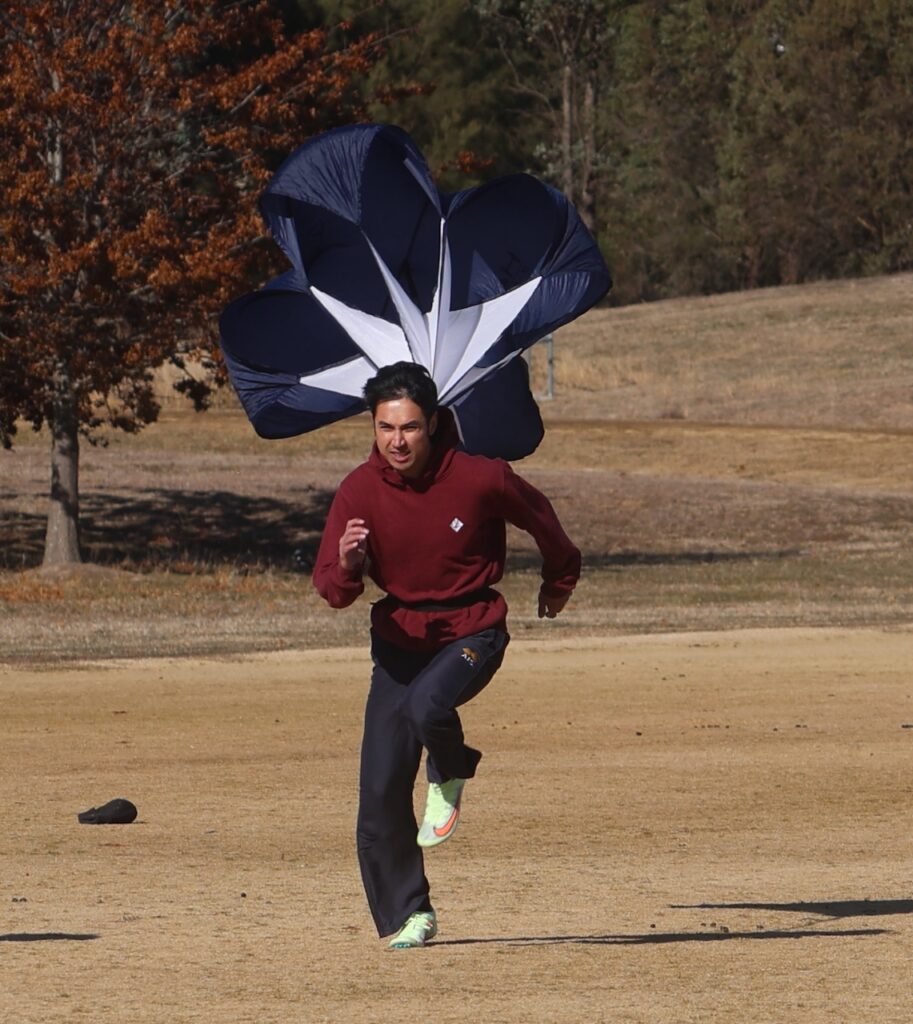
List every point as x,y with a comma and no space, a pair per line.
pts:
136,135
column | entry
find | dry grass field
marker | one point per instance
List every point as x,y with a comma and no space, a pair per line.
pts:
695,799
739,460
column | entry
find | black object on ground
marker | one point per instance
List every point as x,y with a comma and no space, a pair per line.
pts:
114,812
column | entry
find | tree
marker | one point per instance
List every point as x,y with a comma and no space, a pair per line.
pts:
818,154
437,81
667,112
560,54
758,143
136,134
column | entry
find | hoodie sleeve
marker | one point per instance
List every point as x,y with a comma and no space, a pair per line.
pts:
335,585
528,508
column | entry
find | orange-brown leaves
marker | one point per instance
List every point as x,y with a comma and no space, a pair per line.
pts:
136,137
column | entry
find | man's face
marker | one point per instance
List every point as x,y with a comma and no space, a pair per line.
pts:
403,435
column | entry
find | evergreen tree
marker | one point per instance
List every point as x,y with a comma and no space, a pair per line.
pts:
818,156
440,81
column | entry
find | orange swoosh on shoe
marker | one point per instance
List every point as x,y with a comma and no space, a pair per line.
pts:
443,830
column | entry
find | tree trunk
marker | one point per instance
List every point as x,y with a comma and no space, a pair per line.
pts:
567,127
588,131
61,543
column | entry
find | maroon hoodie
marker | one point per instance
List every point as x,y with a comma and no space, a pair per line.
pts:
437,544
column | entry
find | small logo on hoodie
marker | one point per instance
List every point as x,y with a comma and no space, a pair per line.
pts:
456,524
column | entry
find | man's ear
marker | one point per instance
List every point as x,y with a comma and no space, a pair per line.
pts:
432,424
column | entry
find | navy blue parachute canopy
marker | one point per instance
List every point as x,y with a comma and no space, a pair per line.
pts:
387,268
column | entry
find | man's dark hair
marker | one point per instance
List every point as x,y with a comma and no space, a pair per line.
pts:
402,380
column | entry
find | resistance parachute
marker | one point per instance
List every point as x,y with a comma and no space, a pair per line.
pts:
387,268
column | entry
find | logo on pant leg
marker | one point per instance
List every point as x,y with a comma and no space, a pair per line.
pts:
470,656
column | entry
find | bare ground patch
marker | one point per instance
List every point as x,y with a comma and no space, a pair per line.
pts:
713,828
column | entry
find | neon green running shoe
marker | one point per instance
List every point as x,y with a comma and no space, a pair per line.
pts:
418,929
442,812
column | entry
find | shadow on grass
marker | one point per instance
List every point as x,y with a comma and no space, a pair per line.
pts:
46,937
521,561
163,529
828,908
658,938
173,529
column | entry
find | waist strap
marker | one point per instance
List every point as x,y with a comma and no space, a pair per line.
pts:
448,603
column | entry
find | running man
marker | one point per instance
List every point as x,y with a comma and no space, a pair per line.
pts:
426,522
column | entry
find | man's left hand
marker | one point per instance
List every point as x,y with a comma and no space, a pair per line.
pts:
549,607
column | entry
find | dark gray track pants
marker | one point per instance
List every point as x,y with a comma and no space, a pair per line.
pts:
411,705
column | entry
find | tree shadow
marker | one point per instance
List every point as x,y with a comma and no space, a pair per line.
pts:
23,539
827,908
158,528
47,937
525,560
659,938
161,528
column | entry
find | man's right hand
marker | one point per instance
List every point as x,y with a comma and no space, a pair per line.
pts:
353,545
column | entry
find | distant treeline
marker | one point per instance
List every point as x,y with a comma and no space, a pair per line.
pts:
711,145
